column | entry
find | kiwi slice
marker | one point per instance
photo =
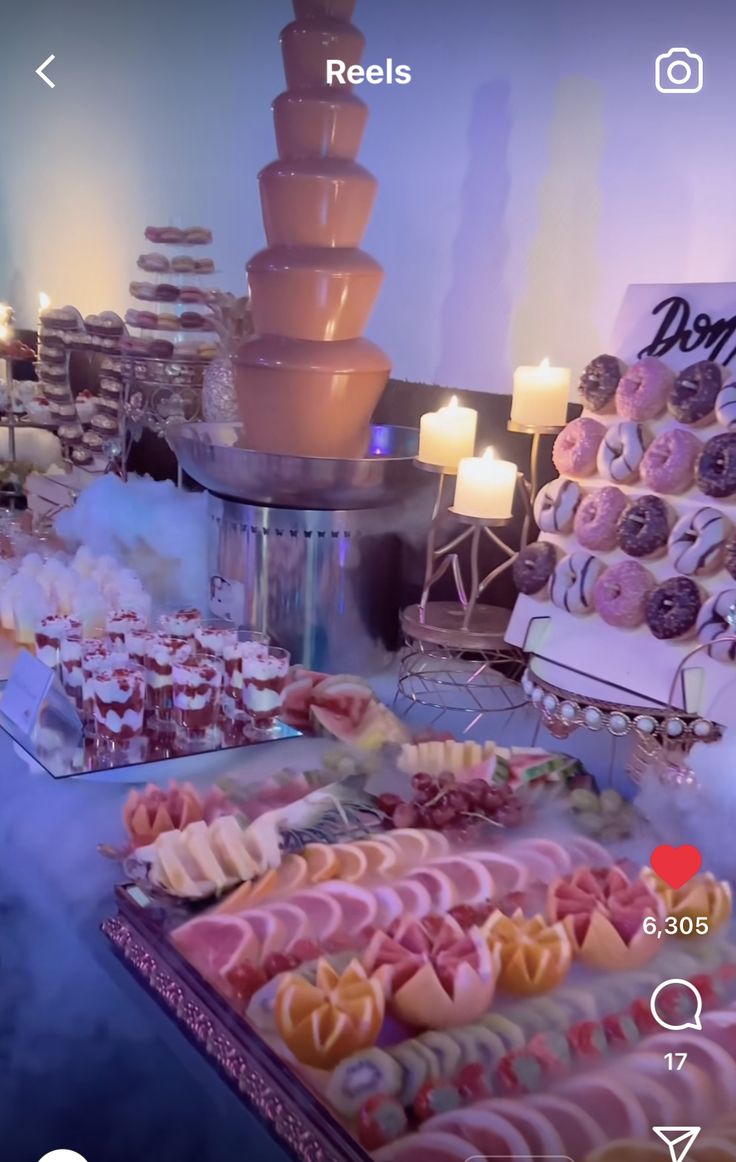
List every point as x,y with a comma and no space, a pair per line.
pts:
528,1019
578,1003
554,1015
361,1076
464,1038
415,1069
433,1065
511,1034
489,1048
447,1052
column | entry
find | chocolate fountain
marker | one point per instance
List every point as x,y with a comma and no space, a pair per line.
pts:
304,494
308,383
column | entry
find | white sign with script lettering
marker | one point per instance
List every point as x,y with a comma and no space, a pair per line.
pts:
681,324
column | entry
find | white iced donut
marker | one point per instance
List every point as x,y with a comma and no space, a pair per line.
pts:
621,451
697,543
555,505
573,582
726,406
712,623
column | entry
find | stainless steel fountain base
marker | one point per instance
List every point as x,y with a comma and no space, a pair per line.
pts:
324,584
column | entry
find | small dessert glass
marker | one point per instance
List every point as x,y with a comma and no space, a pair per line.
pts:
118,694
249,643
162,652
122,622
96,655
180,623
50,633
70,657
137,642
197,690
215,635
264,678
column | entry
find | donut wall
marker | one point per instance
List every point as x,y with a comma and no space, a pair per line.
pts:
636,559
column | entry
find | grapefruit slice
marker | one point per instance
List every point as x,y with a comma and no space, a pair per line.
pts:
415,845
586,851
269,930
382,858
353,862
508,874
540,1135
472,879
293,919
416,900
579,1133
424,1147
322,862
323,912
440,888
609,1102
390,905
701,1051
627,1151
481,1127
215,944
358,906
691,1087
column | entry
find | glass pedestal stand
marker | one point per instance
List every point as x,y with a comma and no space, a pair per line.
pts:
455,657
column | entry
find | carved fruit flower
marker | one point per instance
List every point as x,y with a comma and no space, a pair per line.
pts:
702,896
603,912
324,1022
150,812
535,956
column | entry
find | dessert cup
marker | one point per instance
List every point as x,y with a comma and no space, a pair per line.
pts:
122,622
215,635
162,653
197,687
307,45
316,202
118,693
317,293
309,399
249,644
70,658
180,623
137,642
96,655
264,679
319,123
50,634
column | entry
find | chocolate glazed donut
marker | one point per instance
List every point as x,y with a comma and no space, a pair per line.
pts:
695,391
644,528
715,467
671,610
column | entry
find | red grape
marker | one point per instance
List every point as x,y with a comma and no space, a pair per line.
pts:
305,950
406,815
245,980
388,802
279,962
422,781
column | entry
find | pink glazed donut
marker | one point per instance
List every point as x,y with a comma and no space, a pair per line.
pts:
669,461
596,520
576,448
643,391
620,594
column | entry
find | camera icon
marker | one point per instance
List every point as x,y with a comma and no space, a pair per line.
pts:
678,71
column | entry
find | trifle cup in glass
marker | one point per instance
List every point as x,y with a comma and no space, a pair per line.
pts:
181,623
50,633
162,652
137,642
70,656
118,695
264,679
197,690
96,655
249,644
214,636
122,622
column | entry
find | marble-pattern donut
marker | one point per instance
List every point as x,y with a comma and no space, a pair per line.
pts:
668,465
620,594
715,468
533,567
599,381
671,609
643,390
726,406
644,528
555,505
713,622
621,451
695,391
596,521
576,447
697,543
573,582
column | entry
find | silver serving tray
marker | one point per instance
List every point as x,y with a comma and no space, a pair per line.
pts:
211,455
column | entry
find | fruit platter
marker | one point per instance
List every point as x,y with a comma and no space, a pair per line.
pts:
433,949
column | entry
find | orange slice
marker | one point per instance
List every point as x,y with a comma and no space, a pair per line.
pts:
322,862
250,894
325,1022
535,956
353,862
383,859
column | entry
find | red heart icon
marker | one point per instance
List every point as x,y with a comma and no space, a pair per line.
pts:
676,865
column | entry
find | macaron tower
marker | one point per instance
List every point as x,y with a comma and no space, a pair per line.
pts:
307,383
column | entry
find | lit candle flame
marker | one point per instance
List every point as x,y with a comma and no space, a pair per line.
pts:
453,402
489,454
544,364
44,302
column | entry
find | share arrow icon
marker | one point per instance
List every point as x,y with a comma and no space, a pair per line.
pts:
678,1139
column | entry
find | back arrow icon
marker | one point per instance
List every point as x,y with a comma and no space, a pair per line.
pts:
42,74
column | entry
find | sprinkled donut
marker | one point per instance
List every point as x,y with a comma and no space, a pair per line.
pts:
596,521
533,567
644,528
643,390
599,381
698,542
621,451
713,622
715,468
620,594
694,392
573,582
671,610
575,449
668,465
726,406
555,505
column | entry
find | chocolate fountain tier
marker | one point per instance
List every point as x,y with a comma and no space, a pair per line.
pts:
307,45
326,122
292,394
213,455
320,294
316,201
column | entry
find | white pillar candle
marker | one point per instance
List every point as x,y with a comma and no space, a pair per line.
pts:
485,487
447,435
540,396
